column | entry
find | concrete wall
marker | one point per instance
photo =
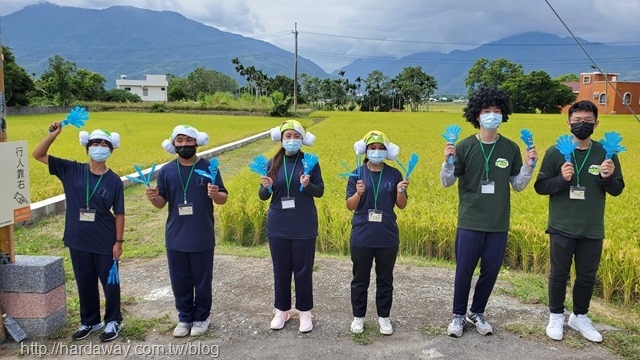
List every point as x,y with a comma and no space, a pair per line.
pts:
57,204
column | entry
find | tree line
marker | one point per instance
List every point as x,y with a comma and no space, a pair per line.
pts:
63,83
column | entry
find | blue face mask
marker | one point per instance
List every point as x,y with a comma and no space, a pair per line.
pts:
376,156
99,153
292,145
490,121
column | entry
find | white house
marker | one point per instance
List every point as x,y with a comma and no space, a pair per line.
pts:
154,88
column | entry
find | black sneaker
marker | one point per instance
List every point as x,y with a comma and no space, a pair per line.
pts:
85,330
111,331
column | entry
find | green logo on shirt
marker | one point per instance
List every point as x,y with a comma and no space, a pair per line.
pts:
502,163
594,169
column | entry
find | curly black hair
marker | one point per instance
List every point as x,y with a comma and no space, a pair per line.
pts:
484,97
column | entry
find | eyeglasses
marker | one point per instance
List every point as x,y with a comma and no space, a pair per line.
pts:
588,120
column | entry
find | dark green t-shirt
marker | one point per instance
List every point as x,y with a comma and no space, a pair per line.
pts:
478,211
580,218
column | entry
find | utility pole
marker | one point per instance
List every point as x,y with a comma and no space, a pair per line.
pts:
295,69
6,232
606,92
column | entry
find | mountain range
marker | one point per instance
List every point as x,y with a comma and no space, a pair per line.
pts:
124,40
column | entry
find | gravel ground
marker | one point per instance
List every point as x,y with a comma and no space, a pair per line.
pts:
243,304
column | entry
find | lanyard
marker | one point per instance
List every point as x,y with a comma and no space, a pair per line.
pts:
88,197
486,158
288,179
376,189
184,187
575,161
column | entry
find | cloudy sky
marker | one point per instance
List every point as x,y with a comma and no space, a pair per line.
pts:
333,33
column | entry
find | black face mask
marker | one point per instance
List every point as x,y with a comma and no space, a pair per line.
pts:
186,152
582,130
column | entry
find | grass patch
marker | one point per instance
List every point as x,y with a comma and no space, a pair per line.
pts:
367,336
433,330
528,288
137,329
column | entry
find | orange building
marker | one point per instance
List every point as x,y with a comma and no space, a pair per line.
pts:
592,86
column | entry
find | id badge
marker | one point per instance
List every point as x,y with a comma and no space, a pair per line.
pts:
88,215
288,203
185,209
577,192
488,187
375,215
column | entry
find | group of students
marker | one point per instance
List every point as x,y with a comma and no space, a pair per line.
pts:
486,166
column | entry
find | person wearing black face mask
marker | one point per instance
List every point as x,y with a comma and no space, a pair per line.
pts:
577,192
190,236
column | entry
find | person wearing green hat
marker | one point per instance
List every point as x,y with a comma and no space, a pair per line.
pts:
94,225
374,232
292,222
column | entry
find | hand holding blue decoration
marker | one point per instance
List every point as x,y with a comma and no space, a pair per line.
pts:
565,144
451,134
527,137
310,160
213,170
611,143
346,167
413,160
77,117
259,165
146,180
114,278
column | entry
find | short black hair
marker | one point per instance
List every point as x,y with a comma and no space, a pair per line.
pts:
98,141
483,98
583,105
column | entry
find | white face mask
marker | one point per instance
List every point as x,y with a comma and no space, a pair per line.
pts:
376,156
490,121
99,153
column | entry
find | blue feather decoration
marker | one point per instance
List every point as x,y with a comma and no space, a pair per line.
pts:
611,143
114,277
145,180
356,173
310,160
259,165
527,138
565,144
413,160
76,117
213,170
451,134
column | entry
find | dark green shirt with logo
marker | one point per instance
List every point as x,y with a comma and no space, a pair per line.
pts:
572,217
478,211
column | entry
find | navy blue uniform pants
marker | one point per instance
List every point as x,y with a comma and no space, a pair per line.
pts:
297,257
362,258
89,268
191,274
586,253
473,246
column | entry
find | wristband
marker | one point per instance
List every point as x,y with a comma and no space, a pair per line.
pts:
119,241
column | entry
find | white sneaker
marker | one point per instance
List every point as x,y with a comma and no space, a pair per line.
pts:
182,329
456,326
279,319
385,326
199,327
554,329
481,324
582,324
306,324
357,326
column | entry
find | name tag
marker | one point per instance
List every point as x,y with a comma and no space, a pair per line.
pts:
577,192
288,203
185,209
487,187
88,215
375,215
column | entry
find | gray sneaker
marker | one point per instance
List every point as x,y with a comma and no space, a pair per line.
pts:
482,326
456,326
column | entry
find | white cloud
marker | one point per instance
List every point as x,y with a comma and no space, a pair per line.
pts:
334,32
